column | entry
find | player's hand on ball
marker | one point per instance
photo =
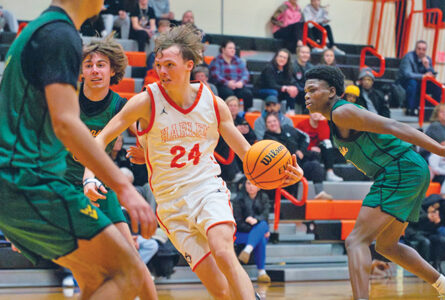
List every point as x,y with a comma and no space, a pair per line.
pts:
136,155
293,173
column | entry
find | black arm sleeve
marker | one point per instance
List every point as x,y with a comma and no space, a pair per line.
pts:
53,55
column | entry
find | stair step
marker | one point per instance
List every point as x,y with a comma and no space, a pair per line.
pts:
307,260
298,250
306,274
28,278
302,237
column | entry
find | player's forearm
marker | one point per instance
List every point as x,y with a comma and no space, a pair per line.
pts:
76,137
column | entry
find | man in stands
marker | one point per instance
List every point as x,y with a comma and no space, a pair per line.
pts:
414,66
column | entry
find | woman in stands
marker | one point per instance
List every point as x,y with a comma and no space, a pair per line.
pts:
328,58
251,212
277,79
297,142
288,23
382,149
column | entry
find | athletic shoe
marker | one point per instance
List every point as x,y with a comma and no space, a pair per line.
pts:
244,257
330,176
264,278
68,281
338,51
323,196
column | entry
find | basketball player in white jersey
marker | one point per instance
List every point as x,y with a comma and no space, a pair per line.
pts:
179,127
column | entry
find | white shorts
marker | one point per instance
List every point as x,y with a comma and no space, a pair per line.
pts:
187,218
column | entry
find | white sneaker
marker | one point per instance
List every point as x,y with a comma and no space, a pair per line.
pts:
323,196
68,281
330,176
319,50
338,51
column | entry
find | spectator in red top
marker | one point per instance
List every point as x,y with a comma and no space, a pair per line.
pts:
320,143
288,23
230,75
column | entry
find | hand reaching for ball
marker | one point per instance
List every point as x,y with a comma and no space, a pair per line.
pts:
293,173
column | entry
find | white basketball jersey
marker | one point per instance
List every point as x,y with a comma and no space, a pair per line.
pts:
179,143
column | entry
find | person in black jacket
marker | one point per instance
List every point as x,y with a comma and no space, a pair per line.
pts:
277,79
297,142
301,65
371,98
251,212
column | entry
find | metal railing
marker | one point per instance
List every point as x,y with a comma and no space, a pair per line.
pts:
311,42
425,97
376,54
281,192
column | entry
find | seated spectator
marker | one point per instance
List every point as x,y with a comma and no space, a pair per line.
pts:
230,75
352,92
277,79
320,144
115,16
162,10
328,58
414,66
201,73
436,130
233,172
8,21
301,65
319,14
371,98
93,26
272,105
297,143
189,18
251,213
143,23
288,24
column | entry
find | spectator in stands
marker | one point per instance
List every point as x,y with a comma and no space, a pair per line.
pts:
297,143
163,26
319,14
8,21
115,16
234,171
189,18
162,10
371,98
328,58
417,238
272,105
143,23
352,92
320,145
437,169
416,65
436,130
288,23
277,79
230,75
201,73
251,212
93,26
301,65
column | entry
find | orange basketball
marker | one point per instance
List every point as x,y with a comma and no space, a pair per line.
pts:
265,163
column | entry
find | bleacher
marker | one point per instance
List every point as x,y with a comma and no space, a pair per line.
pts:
311,237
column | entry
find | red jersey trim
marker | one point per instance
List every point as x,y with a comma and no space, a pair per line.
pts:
199,261
160,222
215,106
151,170
176,106
153,113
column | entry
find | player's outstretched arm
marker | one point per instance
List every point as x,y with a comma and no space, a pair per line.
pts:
352,117
74,135
231,135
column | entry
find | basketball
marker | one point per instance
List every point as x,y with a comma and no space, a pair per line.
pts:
265,163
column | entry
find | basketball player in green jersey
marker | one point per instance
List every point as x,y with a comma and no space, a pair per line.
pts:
103,64
382,149
41,212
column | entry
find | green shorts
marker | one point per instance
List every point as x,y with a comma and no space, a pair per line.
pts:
110,206
400,189
43,215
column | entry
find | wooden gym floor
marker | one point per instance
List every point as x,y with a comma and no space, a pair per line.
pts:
381,289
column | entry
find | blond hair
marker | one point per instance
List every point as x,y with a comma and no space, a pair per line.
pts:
434,115
231,99
111,49
187,38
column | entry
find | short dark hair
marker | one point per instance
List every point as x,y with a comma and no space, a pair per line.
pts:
332,75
